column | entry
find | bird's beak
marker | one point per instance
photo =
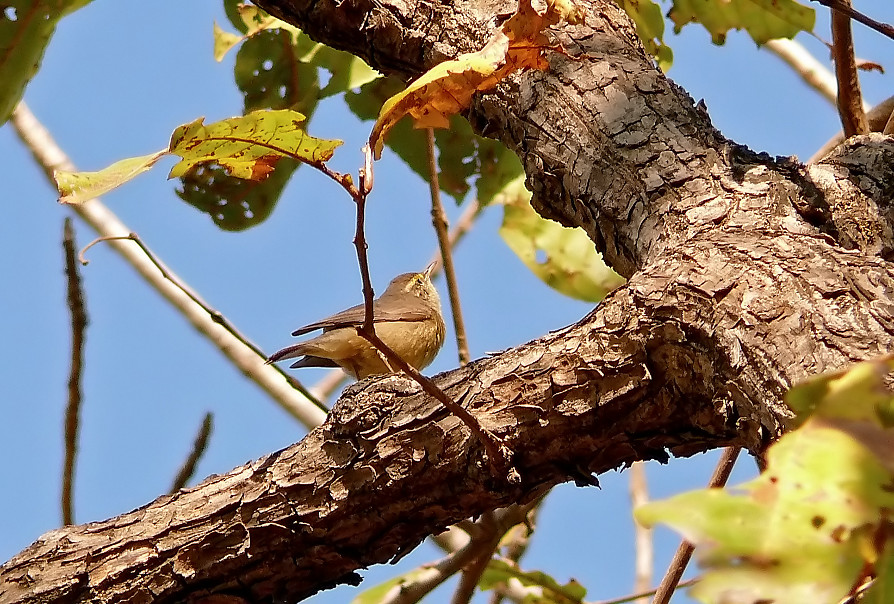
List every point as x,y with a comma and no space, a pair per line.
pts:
430,269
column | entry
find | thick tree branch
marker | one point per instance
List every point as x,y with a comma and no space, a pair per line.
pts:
747,274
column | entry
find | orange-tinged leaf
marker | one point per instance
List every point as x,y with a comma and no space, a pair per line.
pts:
447,88
249,146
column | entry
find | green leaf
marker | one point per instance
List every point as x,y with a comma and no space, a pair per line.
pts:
347,71
377,594
564,258
223,42
500,571
270,74
806,529
234,204
78,187
248,146
649,22
497,167
858,393
26,27
463,157
763,19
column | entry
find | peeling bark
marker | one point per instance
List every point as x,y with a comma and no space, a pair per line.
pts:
747,274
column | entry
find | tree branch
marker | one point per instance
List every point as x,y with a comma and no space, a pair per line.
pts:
271,379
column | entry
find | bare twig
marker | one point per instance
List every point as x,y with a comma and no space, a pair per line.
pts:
684,551
485,538
850,101
844,7
815,74
878,118
471,573
270,378
644,594
198,449
645,559
498,455
439,221
73,409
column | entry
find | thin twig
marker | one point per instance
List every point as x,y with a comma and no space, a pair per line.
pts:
215,315
850,101
73,409
498,455
844,7
323,389
471,573
198,449
684,552
644,594
878,118
439,221
236,348
815,74
482,543
642,536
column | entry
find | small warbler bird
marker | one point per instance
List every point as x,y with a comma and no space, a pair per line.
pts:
408,320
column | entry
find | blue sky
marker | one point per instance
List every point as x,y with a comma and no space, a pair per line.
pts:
117,78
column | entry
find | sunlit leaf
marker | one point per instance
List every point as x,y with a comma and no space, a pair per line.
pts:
464,159
500,571
379,593
649,20
223,42
817,519
78,187
564,258
762,19
271,75
856,394
248,146
447,88
26,27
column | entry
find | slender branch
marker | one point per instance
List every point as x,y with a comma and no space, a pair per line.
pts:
684,552
645,557
498,455
844,7
815,74
270,378
439,221
850,101
215,315
471,573
644,594
198,449
360,241
73,409
483,542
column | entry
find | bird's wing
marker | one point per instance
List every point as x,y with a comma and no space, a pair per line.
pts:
411,310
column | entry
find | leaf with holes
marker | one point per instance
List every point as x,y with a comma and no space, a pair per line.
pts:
26,27
249,146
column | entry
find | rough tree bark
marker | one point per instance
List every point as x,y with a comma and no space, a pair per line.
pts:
747,274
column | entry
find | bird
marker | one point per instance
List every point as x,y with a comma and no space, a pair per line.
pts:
407,319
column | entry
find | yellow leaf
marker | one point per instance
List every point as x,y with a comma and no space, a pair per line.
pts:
78,187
